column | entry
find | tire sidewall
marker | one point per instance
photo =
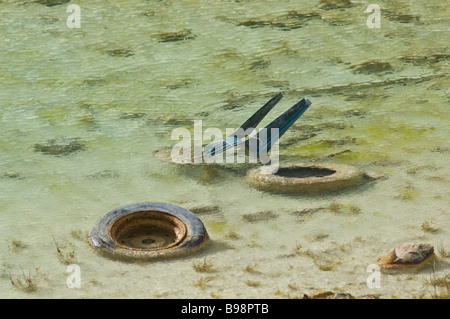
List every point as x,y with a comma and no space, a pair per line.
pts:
344,177
195,239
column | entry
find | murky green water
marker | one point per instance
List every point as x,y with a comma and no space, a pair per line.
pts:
115,89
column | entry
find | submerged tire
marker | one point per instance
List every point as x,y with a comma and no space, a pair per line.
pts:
306,178
148,230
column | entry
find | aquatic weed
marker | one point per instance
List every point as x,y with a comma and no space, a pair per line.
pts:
427,226
232,235
17,245
216,226
252,269
335,207
319,236
292,286
425,59
204,267
167,36
107,173
320,259
259,63
344,208
26,283
117,52
202,282
12,175
302,252
60,146
214,295
288,21
78,234
326,265
65,255
204,209
372,66
400,17
259,216
253,283
444,253
440,285
407,194
334,4
51,3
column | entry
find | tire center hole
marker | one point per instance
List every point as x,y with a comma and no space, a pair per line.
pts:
148,237
304,172
148,231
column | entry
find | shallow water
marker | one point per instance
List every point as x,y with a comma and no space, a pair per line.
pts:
136,70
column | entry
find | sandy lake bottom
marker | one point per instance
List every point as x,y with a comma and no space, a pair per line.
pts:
116,88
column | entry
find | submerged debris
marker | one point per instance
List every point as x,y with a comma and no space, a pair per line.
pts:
60,146
407,255
411,253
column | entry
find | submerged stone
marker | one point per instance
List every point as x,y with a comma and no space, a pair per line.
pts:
412,253
60,146
407,255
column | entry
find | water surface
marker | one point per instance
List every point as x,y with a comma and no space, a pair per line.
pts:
136,70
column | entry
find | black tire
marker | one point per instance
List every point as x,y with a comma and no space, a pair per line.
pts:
147,231
306,178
